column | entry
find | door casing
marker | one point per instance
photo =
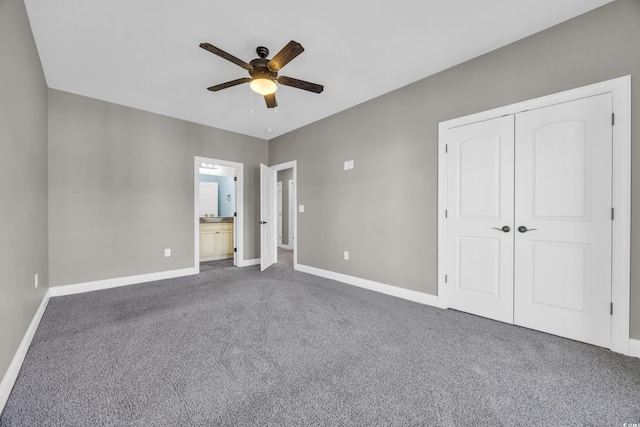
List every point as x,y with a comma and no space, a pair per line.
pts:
238,256
291,211
279,192
620,88
293,200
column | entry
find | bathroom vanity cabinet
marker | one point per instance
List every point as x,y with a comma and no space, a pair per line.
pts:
216,241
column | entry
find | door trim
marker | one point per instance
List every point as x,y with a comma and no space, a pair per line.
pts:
292,236
620,88
291,211
279,196
238,231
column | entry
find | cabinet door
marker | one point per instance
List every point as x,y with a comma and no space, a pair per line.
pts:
224,243
207,244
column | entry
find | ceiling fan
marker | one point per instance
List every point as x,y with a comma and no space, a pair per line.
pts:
264,72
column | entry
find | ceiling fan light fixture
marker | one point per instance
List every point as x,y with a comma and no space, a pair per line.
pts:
264,72
263,86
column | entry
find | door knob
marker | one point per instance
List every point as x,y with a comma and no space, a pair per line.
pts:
506,228
524,229
262,222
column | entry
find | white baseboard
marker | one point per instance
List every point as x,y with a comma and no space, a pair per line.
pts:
280,245
78,288
11,375
249,262
634,347
383,288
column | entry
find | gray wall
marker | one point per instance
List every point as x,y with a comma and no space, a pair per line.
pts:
23,178
393,140
284,176
121,188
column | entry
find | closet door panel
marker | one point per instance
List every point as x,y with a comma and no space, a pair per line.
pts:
480,204
563,198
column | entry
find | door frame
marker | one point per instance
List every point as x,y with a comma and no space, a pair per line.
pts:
279,195
291,211
620,88
292,236
239,220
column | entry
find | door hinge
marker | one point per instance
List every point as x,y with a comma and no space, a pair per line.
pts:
611,309
446,148
445,278
613,214
235,214
613,119
446,213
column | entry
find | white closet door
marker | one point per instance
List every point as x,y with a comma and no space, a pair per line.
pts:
563,197
480,203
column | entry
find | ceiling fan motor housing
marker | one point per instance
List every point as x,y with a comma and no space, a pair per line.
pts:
260,70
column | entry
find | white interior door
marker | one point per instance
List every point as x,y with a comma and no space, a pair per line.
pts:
235,220
563,198
479,243
268,215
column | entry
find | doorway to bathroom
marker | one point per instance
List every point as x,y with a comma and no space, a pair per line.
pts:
218,213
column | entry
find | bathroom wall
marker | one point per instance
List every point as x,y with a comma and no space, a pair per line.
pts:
226,193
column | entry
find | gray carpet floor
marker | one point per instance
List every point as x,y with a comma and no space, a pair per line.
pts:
239,347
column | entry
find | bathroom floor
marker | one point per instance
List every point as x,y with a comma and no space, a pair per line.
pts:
216,265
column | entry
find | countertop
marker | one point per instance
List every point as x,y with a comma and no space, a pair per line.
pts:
225,220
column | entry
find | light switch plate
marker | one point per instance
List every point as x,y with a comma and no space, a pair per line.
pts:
301,208
167,252
346,255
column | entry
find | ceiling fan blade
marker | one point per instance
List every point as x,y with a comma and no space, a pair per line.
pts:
221,53
286,55
229,84
300,84
271,100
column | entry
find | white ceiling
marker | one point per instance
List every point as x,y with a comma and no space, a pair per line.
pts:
144,53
